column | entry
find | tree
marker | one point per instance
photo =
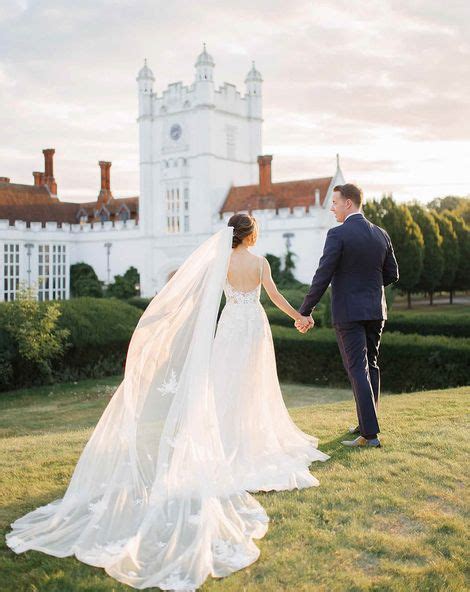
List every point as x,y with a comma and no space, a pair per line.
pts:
372,212
433,258
450,251
289,266
125,286
84,281
283,276
460,206
406,237
440,204
463,211
34,329
462,274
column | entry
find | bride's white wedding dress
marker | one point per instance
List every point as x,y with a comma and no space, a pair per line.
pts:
159,496
265,448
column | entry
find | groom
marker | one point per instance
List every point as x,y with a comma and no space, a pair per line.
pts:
358,260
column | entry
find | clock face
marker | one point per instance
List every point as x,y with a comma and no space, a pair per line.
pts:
175,131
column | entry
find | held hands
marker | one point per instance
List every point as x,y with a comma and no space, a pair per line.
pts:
304,324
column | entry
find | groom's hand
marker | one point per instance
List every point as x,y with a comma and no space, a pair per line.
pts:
303,324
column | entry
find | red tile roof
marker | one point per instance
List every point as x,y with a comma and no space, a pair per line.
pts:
32,203
288,194
16,193
53,212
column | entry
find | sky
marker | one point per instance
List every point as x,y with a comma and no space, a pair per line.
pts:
384,83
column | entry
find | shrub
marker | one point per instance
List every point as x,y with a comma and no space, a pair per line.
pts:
125,286
84,281
139,302
444,323
33,333
7,356
99,331
408,362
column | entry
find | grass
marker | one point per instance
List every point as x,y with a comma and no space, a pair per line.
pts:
388,520
439,308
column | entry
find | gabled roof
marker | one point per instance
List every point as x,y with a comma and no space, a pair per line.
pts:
52,212
17,193
289,194
34,203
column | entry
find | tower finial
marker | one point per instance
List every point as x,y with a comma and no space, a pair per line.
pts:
337,160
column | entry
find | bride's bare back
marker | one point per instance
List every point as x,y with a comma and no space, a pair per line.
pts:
244,272
247,271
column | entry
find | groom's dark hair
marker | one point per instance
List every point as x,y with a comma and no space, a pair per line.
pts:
350,191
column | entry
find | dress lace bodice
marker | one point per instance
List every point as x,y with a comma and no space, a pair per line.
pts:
234,296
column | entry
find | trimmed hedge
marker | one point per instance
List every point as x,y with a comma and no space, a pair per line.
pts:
444,323
408,362
100,330
449,325
139,302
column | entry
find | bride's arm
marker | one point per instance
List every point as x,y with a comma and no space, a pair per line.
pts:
274,295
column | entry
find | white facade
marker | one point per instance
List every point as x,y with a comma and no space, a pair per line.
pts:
195,142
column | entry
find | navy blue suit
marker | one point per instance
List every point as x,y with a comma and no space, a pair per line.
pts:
358,260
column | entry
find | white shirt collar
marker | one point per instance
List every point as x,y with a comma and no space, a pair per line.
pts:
354,214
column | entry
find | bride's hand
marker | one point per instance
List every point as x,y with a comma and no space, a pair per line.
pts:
304,324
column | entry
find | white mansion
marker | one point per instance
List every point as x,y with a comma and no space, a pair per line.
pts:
200,161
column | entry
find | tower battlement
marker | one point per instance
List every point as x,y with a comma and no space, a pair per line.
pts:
66,228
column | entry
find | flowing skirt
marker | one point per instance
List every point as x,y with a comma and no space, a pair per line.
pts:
267,451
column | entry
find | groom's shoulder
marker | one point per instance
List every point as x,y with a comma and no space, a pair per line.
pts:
383,231
335,230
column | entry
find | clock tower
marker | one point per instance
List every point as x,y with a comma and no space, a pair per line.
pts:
196,141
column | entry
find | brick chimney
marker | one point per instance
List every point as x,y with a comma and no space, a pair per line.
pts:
265,183
4,179
105,192
38,178
49,170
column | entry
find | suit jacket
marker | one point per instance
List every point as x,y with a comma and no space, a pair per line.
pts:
358,260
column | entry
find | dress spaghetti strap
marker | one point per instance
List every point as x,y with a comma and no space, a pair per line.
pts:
261,271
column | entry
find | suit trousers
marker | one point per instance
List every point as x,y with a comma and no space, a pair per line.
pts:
359,343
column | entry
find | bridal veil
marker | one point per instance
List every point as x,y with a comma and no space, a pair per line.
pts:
152,499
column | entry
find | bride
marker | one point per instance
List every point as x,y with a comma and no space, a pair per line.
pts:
159,496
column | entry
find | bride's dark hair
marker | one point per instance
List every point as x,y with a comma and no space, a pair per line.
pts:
243,225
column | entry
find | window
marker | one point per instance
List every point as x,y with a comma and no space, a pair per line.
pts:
82,216
43,272
103,214
177,209
124,213
52,272
172,208
11,270
59,272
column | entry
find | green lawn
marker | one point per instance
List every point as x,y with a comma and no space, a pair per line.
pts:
382,520
439,308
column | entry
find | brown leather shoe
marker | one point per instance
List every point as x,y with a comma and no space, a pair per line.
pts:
362,442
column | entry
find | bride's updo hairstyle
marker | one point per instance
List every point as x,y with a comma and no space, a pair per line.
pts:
243,225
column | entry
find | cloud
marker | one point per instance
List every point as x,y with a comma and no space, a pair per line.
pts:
385,83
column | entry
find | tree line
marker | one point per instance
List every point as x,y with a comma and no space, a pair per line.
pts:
432,243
